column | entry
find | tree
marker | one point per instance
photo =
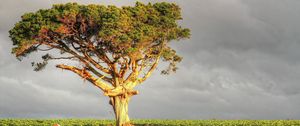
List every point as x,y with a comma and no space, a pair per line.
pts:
115,48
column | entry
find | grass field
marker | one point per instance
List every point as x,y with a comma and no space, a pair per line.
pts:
92,122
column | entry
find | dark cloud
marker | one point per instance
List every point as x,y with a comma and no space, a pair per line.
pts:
242,62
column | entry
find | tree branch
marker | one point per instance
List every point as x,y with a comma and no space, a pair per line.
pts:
86,75
22,50
148,74
44,49
134,72
66,49
124,70
58,58
91,60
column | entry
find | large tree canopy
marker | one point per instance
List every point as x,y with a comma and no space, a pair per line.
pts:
117,47
139,32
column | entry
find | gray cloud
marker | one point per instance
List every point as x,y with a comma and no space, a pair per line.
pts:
242,62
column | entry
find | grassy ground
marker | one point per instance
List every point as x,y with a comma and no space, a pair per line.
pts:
90,122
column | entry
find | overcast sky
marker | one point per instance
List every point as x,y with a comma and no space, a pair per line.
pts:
242,62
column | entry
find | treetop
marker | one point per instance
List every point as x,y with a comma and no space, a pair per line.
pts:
139,32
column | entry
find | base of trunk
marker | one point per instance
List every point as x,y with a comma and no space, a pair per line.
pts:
120,106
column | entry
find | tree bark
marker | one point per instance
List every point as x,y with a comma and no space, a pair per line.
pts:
120,106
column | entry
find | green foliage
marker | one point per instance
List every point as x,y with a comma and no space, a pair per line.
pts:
120,30
91,122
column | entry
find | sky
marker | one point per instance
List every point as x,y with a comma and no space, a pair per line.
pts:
241,62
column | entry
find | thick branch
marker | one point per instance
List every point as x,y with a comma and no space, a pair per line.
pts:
120,90
86,75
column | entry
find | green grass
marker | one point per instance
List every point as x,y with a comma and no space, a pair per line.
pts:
93,122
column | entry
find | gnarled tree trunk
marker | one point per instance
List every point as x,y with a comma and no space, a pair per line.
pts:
120,106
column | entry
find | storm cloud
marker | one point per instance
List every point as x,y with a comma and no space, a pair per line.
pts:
241,62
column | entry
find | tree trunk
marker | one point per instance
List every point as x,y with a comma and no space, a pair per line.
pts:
120,106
